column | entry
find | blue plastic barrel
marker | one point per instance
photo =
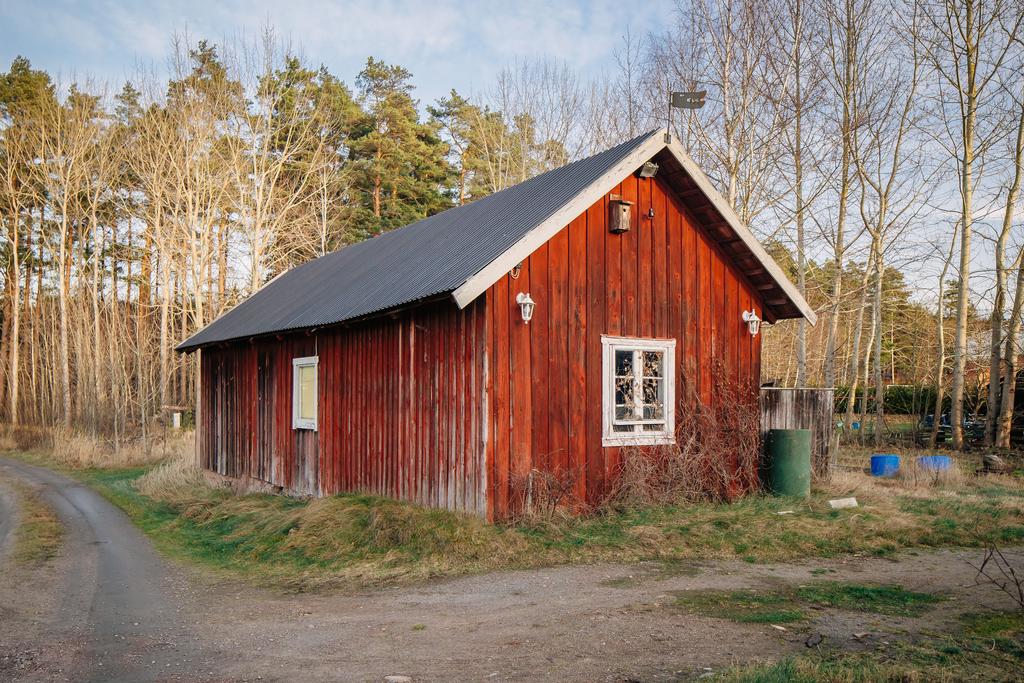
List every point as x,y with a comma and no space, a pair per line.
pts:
884,464
934,463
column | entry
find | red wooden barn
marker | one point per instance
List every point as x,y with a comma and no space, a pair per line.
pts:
542,327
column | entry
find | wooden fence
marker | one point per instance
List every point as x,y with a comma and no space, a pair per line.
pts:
803,409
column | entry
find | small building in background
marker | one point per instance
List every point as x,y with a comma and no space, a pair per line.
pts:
538,330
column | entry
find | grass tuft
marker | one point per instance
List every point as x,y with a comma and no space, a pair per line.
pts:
892,600
39,534
743,606
172,480
786,606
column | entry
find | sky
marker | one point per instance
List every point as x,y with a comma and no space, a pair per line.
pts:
444,43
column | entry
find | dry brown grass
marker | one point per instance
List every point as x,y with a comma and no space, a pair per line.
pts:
25,438
335,542
39,532
174,478
916,483
911,477
859,457
78,450
380,541
915,476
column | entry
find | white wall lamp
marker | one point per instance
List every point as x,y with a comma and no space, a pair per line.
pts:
526,305
752,321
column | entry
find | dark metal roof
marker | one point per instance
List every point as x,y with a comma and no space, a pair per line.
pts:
427,258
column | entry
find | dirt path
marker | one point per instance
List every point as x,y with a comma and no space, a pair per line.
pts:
107,610
598,623
125,608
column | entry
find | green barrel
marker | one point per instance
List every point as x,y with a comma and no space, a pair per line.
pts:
789,462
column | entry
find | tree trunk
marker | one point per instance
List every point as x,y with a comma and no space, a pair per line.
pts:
868,353
98,386
996,341
801,261
940,337
165,321
877,317
855,350
13,369
850,56
967,123
65,360
1004,423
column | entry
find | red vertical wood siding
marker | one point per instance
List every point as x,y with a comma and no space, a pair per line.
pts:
665,278
401,409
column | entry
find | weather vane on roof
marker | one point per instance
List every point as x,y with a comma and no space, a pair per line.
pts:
688,99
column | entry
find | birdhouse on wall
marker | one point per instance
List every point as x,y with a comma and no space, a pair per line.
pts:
620,214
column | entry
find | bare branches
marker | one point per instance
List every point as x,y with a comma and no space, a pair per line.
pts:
997,570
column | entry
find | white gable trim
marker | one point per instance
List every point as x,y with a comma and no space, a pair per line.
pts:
742,231
531,241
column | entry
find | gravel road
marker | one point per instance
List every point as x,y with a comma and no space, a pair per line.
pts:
111,602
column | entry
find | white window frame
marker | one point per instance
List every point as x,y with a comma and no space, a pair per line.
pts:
610,437
307,361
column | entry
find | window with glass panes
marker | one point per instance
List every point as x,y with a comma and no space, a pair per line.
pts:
639,391
304,392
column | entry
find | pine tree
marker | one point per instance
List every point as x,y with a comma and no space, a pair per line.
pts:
400,164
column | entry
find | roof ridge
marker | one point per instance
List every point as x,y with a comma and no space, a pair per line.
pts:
460,251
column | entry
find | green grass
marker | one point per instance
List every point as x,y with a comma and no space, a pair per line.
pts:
892,600
786,606
743,606
356,540
39,534
989,647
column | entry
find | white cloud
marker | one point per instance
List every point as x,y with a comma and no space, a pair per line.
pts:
445,43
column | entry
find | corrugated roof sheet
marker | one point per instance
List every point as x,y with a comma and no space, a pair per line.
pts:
430,257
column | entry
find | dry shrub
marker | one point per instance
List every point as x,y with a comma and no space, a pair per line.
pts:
25,438
996,568
656,475
715,457
542,495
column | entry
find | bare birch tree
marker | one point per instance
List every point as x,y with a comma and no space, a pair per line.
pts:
967,43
